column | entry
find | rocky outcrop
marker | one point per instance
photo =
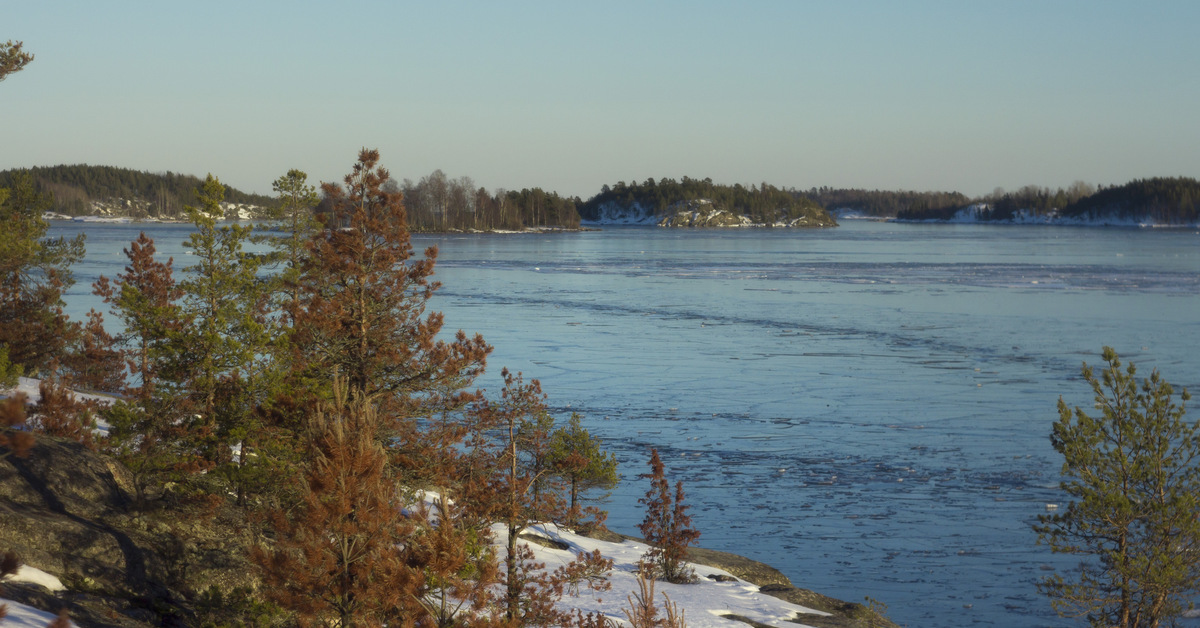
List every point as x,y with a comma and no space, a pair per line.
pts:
704,213
69,512
701,213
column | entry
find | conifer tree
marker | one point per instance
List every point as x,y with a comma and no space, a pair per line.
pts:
349,554
147,432
224,351
59,413
1133,471
297,219
34,273
337,553
667,527
12,58
364,296
9,372
530,594
95,362
577,457
145,300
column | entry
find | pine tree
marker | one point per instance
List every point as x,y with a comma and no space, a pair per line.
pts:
14,439
337,561
296,218
147,431
34,273
577,457
60,413
12,58
363,304
1133,474
667,526
95,362
145,300
225,350
509,500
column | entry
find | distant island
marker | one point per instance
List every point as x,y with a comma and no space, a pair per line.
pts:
702,203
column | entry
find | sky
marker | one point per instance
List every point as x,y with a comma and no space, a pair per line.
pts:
965,96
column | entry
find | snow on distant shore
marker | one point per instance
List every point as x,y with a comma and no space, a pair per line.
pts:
977,214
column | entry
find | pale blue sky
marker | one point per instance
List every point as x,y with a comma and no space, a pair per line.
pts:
956,95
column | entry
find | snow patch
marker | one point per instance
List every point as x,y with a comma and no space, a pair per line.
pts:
33,575
703,602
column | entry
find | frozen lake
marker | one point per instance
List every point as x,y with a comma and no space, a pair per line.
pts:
880,395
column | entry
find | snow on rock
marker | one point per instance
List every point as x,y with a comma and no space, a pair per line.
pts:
33,575
703,602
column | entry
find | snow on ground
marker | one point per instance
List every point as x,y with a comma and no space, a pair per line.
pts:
21,616
703,602
30,388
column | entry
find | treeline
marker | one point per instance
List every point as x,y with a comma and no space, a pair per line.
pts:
163,194
439,203
884,203
434,203
762,204
1173,200
1161,200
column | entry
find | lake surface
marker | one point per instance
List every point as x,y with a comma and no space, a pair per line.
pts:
866,408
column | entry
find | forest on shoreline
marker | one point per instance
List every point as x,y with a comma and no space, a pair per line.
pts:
439,203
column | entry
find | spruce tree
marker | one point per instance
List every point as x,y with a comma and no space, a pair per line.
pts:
1133,473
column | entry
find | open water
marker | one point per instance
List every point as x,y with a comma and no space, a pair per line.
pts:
866,408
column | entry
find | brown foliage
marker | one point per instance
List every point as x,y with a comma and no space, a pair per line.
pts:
364,294
95,362
144,298
667,526
59,413
337,560
32,323
12,419
643,613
